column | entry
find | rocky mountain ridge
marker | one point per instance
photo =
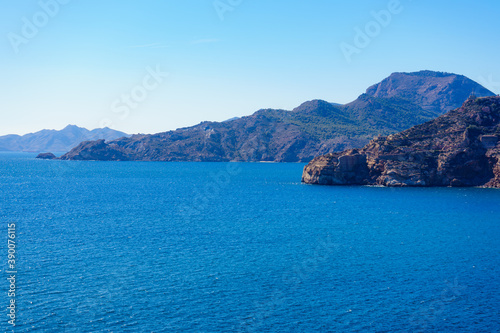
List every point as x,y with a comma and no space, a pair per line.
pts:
314,128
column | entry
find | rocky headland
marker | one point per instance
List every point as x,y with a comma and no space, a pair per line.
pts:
458,149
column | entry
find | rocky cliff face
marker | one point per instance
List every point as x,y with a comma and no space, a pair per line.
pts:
460,148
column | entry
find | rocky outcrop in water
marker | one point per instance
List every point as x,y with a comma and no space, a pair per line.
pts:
460,148
46,156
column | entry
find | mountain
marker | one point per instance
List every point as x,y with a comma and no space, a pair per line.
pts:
460,148
315,127
436,92
267,135
53,140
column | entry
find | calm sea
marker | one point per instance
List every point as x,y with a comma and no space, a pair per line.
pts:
242,247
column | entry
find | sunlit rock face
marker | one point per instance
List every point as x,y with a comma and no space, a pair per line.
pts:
460,148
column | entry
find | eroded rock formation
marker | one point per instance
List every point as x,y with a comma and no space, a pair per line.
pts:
460,148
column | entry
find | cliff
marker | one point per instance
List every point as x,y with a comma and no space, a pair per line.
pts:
460,148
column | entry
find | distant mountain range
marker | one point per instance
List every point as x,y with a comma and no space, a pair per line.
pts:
314,128
56,141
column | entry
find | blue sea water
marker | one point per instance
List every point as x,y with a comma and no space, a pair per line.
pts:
242,247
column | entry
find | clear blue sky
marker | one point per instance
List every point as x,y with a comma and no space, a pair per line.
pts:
87,54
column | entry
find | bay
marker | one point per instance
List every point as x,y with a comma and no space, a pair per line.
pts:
243,247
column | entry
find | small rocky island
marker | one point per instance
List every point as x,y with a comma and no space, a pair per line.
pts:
460,148
46,156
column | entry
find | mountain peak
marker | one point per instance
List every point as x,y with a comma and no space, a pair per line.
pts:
70,126
437,92
317,106
425,73
312,103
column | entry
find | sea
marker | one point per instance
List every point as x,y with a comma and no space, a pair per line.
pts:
239,247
